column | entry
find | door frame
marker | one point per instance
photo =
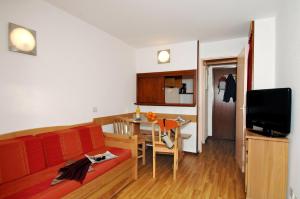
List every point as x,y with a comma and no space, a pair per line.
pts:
202,75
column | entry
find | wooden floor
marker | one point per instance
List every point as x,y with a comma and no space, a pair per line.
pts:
211,175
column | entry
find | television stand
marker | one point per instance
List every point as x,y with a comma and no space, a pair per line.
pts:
266,161
268,133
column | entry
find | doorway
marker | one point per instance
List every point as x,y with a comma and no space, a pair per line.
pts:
223,87
241,86
223,114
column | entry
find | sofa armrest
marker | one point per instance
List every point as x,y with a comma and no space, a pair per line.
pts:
124,142
121,141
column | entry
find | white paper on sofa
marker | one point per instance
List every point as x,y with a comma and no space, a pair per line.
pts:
101,157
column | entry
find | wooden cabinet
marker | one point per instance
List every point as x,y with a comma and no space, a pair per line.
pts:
266,167
156,88
150,89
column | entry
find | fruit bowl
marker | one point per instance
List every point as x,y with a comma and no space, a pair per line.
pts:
151,116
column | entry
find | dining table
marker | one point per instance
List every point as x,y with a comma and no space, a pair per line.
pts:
147,134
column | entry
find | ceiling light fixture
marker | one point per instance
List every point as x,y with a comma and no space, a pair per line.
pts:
163,56
21,39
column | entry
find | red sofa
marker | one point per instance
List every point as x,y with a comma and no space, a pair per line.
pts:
29,163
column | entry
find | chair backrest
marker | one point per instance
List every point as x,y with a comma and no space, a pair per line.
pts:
122,127
170,127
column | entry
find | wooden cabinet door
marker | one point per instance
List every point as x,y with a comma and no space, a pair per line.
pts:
150,90
267,167
223,118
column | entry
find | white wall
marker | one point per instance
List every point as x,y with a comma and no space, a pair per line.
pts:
183,57
224,48
287,75
264,53
76,68
212,50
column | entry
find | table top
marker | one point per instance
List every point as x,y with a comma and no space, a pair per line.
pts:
144,120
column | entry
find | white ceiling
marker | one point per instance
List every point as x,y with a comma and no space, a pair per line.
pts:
143,23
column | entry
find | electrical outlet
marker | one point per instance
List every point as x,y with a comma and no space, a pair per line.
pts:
292,194
95,109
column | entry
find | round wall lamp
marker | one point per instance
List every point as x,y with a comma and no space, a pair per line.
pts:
21,39
163,56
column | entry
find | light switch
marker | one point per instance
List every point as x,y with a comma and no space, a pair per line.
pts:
95,109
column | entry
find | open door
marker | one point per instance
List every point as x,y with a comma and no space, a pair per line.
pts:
241,107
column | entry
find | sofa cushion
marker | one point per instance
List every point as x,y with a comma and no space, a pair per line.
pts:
96,135
42,189
52,148
85,138
34,152
26,182
70,143
13,160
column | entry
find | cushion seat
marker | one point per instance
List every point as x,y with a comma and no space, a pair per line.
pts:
39,183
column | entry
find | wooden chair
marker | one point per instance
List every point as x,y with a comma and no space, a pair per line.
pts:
171,127
124,127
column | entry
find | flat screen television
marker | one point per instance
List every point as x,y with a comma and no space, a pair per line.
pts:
269,111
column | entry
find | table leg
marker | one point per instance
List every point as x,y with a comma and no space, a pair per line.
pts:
136,129
181,152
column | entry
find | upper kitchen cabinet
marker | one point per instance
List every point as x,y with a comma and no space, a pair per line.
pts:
172,88
150,89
